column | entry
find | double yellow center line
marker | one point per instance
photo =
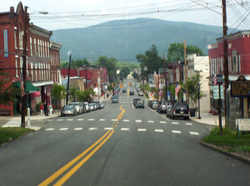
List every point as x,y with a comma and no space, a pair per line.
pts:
66,167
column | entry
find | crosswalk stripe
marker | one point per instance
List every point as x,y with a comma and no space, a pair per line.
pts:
194,133
163,122
93,128
63,128
141,130
138,121
151,121
159,130
114,119
78,128
125,129
176,131
126,120
80,119
69,119
108,128
102,119
49,129
175,123
50,120
59,120
188,124
91,119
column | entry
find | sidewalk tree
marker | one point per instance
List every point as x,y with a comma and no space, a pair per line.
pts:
84,96
176,52
72,92
172,89
58,92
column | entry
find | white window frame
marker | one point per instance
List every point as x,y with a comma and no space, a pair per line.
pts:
20,39
239,63
16,66
31,71
31,51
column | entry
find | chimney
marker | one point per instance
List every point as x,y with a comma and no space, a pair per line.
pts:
12,9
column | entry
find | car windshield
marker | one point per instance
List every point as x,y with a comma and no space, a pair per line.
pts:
92,104
74,103
184,106
69,106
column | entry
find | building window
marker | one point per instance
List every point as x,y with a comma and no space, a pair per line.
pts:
48,49
35,46
239,63
36,70
45,49
31,71
222,64
21,66
31,51
38,47
15,38
21,39
234,61
16,66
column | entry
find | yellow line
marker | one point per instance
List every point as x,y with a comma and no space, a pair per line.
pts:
68,165
73,170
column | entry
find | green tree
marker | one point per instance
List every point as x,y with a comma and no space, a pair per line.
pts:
135,75
176,52
124,72
110,64
72,93
79,63
64,64
58,92
84,96
172,89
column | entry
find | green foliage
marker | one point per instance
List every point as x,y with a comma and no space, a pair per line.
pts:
72,93
75,63
176,52
172,89
58,92
135,75
110,64
84,96
216,131
151,60
124,72
10,133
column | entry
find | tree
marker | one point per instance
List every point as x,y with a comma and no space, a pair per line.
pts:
72,93
176,52
124,72
80,63
172,89
58,92
7,92
84,96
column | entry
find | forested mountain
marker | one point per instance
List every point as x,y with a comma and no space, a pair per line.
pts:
124,39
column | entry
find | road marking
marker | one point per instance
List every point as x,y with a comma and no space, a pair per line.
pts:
194,133
50,120
165,118
114,120
69,119
159,130
93,128
126,120
91,119
49,129
59,120
175,123
163,122
125,129
176,131
150,121
141,130
188,124
78,128
63,128
102,119
138,121
80,119
108,128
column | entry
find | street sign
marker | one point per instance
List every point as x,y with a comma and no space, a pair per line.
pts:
240,87
121,85
216,92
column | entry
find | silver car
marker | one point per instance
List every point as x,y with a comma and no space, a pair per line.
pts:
92,106
87,106
78,107
69,110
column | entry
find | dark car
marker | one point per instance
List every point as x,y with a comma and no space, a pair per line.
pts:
179,110
152,103
114,99
69,110
131,92
139,104
135,100
124,90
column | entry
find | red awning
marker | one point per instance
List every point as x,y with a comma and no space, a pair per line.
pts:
36,94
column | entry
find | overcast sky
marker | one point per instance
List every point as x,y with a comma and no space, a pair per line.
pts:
82,13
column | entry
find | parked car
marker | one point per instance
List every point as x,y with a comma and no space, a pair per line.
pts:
153,102
169,108
162,107
101,105
180,110
140,93
131,92
82,106
139,104
87,106
69,110
114,99
124,90
97,104
150,102
92,106
155,105
135,101
78,107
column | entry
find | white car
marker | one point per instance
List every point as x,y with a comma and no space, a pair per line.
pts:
87,106
79,109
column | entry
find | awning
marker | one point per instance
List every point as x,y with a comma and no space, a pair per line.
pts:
29,87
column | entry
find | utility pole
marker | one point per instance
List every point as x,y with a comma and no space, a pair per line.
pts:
68,79
24,66
86,72
166,85
224,13
185,53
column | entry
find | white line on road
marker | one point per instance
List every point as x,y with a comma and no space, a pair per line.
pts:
194,133
176,131
126,120
151,121
114,119
93,128
188,124
175,123
165,118
49,129
59,120
108,128
102,119
159,130
138,121
78,128
80,119
50,120
69,119
141,130
163,122
63,128
91,119
125,129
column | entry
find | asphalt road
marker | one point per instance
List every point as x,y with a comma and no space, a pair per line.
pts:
118,145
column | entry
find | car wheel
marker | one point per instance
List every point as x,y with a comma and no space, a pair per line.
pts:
143,107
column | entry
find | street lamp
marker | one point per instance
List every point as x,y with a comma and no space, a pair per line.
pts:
198,86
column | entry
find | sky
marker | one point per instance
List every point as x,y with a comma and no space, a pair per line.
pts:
81,13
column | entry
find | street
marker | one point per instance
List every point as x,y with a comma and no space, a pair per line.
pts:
118,145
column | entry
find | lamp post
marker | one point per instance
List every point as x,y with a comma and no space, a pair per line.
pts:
198,86
68,79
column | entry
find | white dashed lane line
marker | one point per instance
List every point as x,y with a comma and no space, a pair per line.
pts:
69,119
78,128
126,120
138,121
93,128
59,120
91,119
194,133
176,131
102,120
125,129
150,121
175,123
159,130
188,124
108,128
114,119
163,122
49,129
80,119
63,128
141,130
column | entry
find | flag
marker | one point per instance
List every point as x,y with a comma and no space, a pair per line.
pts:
22,87
90,96
177,88
214,78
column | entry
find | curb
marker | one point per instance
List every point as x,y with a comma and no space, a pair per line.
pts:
231,154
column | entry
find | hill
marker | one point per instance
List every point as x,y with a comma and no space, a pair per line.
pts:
123,39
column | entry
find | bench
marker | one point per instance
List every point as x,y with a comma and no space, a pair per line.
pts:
5,112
